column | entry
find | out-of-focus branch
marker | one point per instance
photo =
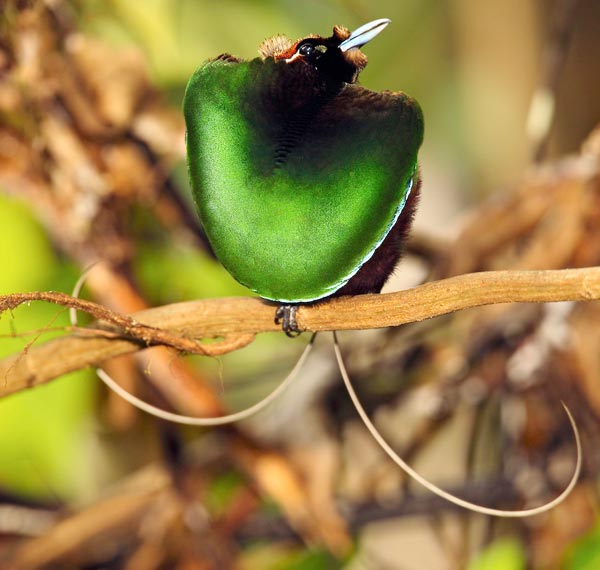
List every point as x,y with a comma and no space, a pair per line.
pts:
541,112
236,318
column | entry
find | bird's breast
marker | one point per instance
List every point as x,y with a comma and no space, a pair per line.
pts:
295,198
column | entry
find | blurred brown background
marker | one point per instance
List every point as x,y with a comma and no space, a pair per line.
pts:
92,169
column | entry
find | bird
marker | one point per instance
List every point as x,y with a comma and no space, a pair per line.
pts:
305,182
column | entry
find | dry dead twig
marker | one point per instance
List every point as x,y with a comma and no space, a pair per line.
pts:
179,324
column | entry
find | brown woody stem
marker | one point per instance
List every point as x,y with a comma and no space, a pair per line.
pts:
237,319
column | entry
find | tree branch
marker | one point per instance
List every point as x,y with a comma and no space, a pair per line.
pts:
237,319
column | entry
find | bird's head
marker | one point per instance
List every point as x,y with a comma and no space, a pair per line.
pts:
337,58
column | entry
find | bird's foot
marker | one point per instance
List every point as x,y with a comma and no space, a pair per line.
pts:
286,317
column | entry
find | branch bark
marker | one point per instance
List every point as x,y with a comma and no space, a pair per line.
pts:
241,317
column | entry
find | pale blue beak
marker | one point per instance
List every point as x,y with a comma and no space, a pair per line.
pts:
364,34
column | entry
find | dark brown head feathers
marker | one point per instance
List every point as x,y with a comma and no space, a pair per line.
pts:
340,33
325,55
356,59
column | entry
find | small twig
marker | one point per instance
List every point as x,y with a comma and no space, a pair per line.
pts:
128,328
244,316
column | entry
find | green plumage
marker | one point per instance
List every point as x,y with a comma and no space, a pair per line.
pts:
297,181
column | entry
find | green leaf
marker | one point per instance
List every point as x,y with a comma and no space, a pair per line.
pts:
503,554
276,557
26,255
585,553
308,560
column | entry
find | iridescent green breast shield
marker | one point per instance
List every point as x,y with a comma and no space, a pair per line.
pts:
295,199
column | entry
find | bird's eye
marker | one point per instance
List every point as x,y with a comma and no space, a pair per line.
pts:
307,50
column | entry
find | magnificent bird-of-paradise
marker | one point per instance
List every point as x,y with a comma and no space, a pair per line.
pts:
305,182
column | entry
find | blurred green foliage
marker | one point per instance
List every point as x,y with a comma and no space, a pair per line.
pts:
178,35
584,554
502,554
308,560
264,556
44,434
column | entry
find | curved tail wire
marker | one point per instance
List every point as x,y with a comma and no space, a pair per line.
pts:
252,410
434,488
218,421
192,420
